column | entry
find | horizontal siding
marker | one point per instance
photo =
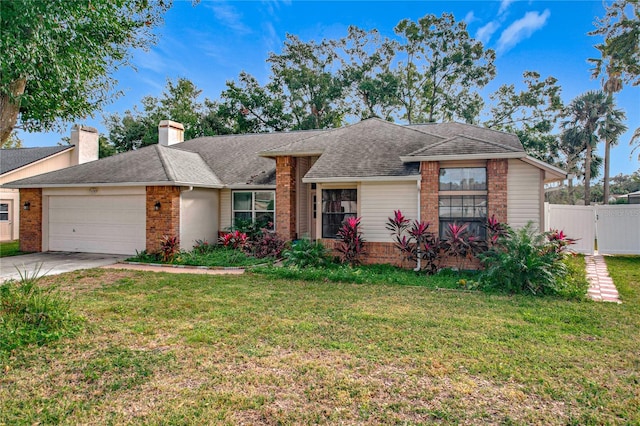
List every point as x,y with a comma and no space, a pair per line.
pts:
377,203
225,209
523,194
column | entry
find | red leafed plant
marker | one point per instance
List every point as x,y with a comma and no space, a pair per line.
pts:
559,241
415,241
351,245
495,231
169,248
460,243
234,239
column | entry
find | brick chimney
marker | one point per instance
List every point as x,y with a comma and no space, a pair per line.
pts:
85,139
170,132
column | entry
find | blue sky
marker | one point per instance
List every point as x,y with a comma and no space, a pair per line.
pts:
210,43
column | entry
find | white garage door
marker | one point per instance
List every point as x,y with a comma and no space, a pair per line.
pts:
97,224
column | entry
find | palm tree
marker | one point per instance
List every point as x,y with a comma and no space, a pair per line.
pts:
610,130
586,113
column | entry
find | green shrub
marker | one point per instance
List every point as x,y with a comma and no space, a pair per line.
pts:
303,253
524,261
32,314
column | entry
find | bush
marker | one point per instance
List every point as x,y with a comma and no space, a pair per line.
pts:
266,244
415,241
234,239
525,261
351,243
304,254
459,243
31,314
169,248
203,247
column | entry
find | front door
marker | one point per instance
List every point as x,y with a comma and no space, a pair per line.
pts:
6,221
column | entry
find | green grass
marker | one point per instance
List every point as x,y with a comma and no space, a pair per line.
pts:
11,248
257,349
218,256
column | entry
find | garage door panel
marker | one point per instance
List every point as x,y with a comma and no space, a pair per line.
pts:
97,224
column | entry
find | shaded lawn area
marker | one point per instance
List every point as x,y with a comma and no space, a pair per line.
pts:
10,248
189,349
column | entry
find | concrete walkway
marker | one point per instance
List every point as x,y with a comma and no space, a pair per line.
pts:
601,287
51,263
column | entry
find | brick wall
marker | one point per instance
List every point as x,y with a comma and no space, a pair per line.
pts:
165,221
430,176
375,253
497,189
31,220
286,197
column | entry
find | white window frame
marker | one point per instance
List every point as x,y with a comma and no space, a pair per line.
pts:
253,210
7,212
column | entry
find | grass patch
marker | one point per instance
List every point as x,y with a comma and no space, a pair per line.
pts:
216,256
256,349
32,314
369,274
11,248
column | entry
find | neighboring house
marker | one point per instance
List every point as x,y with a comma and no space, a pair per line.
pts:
20,163
632,197
305,182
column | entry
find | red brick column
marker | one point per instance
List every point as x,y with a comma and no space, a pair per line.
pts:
497,189
286,197
430,172
31,220
166,220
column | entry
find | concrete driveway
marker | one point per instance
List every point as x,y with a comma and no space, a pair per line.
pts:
52,263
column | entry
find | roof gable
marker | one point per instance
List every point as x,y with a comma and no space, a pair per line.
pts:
15,158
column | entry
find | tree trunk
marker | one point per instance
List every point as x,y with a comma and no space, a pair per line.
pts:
9,108
587,174
607,160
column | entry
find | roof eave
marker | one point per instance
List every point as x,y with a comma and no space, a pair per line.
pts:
339,179
457,157
104,184
551,173
272,154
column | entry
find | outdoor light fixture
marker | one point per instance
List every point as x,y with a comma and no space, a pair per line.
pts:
156,206
27,205
93,190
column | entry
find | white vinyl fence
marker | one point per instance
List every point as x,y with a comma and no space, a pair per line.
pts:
616,227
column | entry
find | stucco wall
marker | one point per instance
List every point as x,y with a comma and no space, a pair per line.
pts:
199,216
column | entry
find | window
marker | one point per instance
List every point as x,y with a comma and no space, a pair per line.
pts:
4,212
337,204
463,198
254,206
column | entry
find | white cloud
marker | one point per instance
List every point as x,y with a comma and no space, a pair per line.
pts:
504,5
470,17
270,36
228,16
522,29
485,32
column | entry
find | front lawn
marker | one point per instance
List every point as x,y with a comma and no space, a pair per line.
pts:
255,349
10,248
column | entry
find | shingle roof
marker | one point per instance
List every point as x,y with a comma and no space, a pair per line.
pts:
152,164
235,158
14,158
369,148
449,130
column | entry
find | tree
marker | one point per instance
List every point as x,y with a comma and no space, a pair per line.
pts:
58,56
531,114
366,71
440,68
620,52
139,127
609,131
254,108
13,141
311,88
585,114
